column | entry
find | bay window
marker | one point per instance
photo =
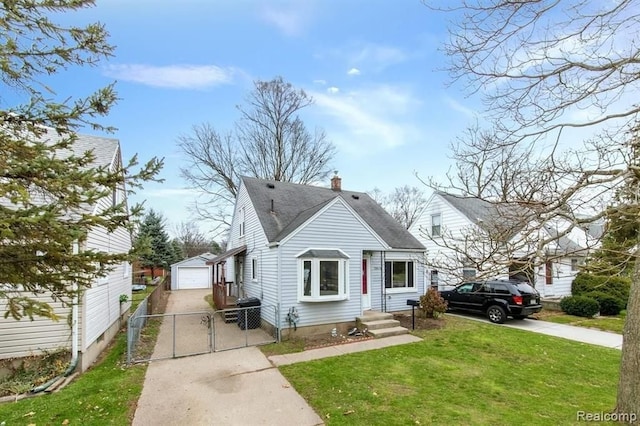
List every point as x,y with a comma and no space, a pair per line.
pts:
323,275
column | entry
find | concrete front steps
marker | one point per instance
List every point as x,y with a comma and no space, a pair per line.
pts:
380,324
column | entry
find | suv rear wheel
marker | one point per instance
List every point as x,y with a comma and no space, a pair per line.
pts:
496,314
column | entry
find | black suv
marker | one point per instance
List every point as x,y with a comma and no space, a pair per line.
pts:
496,298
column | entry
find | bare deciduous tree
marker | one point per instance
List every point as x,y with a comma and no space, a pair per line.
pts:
192,241
550,72
269,141
404,203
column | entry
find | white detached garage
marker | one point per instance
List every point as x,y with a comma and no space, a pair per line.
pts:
192,273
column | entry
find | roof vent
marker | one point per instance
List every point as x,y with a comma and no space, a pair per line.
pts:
270,185
355,197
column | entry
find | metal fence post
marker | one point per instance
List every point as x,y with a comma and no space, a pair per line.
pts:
174,335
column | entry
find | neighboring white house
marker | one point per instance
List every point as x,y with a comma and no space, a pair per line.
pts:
99,309
324,253
192,273
449,223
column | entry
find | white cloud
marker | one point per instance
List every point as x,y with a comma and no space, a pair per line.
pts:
172,76
457,106
353,71
291,19
333,89
375,119
320,82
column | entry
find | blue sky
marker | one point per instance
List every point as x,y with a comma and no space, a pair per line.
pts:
371,66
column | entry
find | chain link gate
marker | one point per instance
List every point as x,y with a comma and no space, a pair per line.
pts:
195,333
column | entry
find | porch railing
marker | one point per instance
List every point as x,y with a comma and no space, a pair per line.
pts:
220,295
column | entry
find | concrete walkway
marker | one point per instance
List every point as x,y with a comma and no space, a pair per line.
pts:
239,387
347,348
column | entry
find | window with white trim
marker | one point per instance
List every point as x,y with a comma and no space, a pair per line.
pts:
468,274
434,278
126,267
254,268
398,275
242,219
436,223
323,275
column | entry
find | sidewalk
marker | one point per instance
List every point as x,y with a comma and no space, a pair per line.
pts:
337,350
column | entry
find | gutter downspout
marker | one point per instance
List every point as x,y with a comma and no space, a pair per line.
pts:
278,291
74,338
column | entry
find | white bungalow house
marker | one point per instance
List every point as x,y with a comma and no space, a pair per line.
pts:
90,325
459,234
326,254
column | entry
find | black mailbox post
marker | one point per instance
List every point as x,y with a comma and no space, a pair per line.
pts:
413,303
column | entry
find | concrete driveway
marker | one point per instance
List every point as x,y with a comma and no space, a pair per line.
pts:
579,334
235,387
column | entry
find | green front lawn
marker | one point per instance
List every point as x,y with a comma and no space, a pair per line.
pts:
465,373
104,395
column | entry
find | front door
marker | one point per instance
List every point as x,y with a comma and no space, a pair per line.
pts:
366,297
239,278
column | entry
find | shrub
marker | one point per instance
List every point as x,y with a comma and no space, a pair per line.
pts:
432,305
581,306
617,287
609,305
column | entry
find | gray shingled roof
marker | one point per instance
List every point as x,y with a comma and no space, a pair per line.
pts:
475,209
104,150
502,219
294,204
509,217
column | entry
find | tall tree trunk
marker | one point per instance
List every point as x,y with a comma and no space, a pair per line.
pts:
628,403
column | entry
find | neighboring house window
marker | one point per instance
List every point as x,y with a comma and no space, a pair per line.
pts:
323,275
575,264
398,275
434,278
242,224
436,225
126,268
117,196
548,272
468,274
254,269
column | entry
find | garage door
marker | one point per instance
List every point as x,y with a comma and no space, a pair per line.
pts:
193,277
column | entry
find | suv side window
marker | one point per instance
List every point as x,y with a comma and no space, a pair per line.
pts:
466,288
477,287
500,289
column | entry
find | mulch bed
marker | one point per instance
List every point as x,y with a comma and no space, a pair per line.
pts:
324,340
421,323
321,341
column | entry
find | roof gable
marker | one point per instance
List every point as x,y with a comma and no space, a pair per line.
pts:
282,207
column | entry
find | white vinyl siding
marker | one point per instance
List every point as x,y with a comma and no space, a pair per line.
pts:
26,337
251,230
451,222
102,302
335,227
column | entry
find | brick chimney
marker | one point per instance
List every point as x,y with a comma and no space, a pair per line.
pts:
336,183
